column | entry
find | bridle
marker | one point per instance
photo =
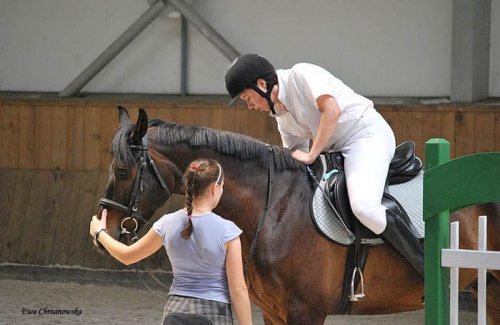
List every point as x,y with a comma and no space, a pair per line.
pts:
132,212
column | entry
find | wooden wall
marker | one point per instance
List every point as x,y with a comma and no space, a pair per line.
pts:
56,134
76,134
54,160
470,128
45,215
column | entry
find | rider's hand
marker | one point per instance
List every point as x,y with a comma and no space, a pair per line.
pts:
96,224
303,157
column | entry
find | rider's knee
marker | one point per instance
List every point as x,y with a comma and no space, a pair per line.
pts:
370,214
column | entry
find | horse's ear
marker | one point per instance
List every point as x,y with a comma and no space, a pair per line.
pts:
141,127
123,115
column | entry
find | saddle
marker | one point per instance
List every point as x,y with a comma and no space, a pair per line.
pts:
404,166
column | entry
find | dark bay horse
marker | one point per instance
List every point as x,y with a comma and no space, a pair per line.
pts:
296,274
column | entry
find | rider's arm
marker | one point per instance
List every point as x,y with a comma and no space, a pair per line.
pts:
143,248
292,142
330,114
237,286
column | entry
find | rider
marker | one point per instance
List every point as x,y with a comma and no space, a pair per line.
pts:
204,250
309,103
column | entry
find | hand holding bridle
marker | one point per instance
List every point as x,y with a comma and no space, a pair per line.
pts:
98,224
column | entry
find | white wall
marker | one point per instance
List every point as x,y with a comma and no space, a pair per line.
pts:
380,48
495,50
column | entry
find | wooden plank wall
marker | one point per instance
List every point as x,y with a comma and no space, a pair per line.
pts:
76,135
470,128
45,215
58,134
54,157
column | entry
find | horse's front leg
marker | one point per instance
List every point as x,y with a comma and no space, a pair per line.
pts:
300,314
268,320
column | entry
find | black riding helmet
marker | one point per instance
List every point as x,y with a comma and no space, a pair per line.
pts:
244,72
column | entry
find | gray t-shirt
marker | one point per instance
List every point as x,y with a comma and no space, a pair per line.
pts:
198,263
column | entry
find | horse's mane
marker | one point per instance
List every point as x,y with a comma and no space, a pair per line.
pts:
225,142
228,143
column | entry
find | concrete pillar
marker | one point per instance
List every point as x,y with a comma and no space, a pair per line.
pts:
470,67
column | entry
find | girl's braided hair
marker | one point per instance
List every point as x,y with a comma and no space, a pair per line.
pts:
198,177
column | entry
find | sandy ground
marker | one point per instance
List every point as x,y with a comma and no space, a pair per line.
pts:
33,302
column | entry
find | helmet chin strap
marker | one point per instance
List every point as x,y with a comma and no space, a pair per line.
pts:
266,95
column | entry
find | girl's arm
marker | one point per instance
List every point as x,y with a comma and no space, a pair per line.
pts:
237,286
143,248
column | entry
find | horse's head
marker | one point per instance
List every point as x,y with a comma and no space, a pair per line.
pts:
136,187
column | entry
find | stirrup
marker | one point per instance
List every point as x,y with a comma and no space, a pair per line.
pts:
359,296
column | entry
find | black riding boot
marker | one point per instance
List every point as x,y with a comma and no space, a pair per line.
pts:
399,235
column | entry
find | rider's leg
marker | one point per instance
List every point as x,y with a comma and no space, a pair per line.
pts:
366,162
399,235
367,159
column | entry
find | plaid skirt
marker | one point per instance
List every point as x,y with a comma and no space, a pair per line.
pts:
218,313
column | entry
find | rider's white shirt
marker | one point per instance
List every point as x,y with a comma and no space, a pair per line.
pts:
299,87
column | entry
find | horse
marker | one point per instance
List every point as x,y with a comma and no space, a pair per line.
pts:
294,274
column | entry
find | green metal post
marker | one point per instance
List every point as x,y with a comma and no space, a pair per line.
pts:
437,233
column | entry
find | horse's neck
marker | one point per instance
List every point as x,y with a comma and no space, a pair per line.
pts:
245,191
246,183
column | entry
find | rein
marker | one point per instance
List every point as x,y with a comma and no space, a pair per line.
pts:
264,213
146,285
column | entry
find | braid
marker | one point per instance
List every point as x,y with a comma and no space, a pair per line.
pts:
198,177
190,192
188,230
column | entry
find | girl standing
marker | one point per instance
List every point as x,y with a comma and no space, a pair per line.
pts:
204,250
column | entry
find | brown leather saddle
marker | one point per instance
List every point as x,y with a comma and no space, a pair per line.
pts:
404,166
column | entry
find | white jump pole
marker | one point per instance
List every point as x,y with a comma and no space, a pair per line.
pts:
454,245
481,294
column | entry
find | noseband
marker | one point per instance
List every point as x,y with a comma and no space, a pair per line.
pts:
132,213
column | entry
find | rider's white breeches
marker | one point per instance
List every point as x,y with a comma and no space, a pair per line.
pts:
368,153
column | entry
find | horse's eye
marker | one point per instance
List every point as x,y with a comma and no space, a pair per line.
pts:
121,172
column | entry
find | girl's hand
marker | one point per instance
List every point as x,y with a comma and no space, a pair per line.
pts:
96,224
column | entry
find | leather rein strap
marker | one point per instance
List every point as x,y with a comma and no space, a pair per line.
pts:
268,199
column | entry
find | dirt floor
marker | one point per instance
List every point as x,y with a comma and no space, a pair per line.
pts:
35,302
